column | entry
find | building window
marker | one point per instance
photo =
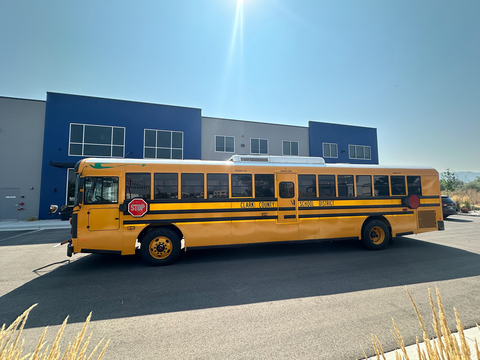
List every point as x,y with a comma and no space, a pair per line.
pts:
359,152
161,144
258,146
330,150
290,148
96,140
224,143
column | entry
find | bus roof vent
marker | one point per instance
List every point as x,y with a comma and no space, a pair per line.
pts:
278,159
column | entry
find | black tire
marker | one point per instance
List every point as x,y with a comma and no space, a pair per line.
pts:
376,235
160,247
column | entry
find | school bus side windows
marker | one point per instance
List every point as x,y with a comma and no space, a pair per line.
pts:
166,186
398,185
192,186
101,190
345,185
217,186
137,185
414,185
380,183
286,190
241,185
364,185
307,186
326,186
264,186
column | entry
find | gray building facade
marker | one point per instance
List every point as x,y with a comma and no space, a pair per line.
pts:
222,138
21,145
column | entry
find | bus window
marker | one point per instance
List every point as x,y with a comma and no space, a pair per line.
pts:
192,186
286,190
101,190
241,185
364,185
345,185
307,186
166,186
398,185
137,185
217,186
414,185
264,186
326,185
380,183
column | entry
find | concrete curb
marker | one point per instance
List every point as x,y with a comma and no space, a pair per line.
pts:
33,225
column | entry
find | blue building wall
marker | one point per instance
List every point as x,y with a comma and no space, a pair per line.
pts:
63,109
343,136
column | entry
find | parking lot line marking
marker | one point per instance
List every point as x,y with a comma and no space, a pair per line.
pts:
12,237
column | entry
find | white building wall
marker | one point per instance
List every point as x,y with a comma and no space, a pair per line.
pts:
244,131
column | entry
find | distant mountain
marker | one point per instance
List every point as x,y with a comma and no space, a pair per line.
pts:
467,176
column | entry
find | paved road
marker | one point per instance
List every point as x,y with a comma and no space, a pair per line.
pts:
305,301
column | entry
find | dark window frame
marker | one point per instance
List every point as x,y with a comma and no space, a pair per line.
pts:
247,188
174,194
100,202
221,192
143,196
267,192
305,194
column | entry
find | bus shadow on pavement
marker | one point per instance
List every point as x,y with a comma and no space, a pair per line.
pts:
117,287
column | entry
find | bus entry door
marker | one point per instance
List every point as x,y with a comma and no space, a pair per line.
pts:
287,196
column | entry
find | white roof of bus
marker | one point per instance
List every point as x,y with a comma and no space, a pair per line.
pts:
273,161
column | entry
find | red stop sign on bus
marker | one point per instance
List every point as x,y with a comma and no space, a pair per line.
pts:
137,207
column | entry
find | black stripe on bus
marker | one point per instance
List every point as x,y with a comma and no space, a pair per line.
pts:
246,218
271,243
169,221
307,216
207,211
287,209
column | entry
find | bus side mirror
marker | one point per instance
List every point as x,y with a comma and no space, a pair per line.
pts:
79,198
81,182
53,209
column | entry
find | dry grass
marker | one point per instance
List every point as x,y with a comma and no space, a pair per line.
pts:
443,347
463,196
11,347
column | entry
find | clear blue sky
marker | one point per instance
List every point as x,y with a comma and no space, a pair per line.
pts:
410,68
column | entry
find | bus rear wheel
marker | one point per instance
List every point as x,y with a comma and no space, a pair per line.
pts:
160,247
375,235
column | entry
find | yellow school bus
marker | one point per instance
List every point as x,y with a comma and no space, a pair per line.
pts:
164,207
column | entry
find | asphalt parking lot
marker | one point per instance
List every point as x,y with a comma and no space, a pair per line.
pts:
304,301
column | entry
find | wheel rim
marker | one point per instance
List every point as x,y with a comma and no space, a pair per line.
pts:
160,247
377,235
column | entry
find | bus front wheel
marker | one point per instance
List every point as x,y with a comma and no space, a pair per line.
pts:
160,247
375,235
